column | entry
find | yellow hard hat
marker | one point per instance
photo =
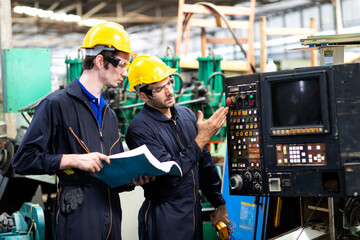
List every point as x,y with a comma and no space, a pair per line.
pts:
147,69
106,36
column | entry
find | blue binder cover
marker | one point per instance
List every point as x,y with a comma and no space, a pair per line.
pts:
139,161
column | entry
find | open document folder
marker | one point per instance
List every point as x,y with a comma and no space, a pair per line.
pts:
139,161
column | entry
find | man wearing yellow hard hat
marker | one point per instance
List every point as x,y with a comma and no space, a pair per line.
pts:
172,208
73,132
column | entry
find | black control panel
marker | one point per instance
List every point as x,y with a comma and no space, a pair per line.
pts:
244,137
294,132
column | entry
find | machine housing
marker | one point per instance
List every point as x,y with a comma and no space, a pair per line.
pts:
295,132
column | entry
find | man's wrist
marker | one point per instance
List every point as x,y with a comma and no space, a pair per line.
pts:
200,142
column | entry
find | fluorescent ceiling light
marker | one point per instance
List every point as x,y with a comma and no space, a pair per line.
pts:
57,16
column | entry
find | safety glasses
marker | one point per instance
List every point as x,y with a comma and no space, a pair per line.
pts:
116,62
170,83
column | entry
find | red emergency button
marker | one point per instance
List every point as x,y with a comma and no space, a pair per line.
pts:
230,101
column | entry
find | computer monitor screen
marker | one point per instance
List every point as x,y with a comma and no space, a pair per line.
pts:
296,102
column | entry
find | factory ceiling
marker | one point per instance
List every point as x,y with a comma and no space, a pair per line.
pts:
144,14
126,12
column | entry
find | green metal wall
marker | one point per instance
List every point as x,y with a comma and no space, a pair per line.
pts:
26,76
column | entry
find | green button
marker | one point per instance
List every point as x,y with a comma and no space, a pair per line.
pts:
251,96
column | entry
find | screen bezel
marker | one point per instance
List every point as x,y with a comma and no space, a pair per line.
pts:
322,79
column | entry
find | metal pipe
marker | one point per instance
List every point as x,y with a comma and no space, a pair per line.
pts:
202,99
208,83
129,106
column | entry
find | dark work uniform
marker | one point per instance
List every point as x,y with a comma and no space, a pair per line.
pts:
64,123
172,208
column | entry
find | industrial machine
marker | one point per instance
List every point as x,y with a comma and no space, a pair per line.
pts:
294,133
204,91
26,224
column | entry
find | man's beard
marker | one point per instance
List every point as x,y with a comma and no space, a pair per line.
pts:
163,105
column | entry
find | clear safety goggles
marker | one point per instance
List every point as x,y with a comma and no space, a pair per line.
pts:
169,84
116,62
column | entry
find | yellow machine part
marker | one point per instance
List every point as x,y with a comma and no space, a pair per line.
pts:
278,212
222,230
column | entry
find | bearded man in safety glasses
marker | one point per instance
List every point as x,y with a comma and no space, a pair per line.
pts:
172,208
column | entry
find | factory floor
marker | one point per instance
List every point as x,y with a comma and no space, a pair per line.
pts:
130,204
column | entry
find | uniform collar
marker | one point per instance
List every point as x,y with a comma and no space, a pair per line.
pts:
92,98
74,89
159,116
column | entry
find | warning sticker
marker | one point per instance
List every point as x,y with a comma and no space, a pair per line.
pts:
328,58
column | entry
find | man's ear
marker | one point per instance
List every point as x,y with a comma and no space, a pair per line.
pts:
99,61
143,97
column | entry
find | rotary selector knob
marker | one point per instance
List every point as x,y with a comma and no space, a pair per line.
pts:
248,176
258,188
236,182
257,176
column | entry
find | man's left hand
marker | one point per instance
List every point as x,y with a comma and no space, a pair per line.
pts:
221,214
142,180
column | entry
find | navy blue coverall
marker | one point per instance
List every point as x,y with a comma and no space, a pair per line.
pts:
64,123
172,208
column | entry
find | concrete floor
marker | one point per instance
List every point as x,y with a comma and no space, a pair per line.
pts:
130,204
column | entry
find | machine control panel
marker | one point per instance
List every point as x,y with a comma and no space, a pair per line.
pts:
244,157
291,133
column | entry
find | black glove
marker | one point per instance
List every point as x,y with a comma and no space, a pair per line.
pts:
6,222
71,198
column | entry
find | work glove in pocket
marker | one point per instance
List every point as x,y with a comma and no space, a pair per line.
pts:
71,198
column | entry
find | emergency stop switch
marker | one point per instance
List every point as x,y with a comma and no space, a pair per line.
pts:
230,101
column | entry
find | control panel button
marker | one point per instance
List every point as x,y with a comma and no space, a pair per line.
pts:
230,101
236,182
